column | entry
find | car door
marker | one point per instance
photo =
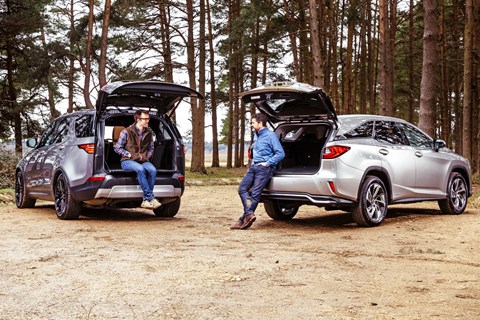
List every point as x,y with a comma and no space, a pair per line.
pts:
36,158
397,158
431,167
54,154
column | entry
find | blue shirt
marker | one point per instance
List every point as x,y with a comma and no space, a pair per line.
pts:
267,148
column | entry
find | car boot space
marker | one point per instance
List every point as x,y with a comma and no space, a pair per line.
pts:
303,146
163,155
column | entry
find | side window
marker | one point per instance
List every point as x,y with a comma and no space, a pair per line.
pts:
84,126
388,131
416,138
364,130
47,136
61,132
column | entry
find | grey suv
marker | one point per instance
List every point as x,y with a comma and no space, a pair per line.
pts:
357,163
74,165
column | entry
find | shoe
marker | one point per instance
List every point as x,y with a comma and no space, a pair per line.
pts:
155,203
248,221
237,225
147,204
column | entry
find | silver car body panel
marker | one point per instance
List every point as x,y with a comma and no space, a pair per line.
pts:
135,191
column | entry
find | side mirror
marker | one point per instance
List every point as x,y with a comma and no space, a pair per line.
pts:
438,144
31,143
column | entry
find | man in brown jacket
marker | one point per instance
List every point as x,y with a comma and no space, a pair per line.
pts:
135,145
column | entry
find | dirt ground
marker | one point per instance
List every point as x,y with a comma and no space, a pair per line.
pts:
128,264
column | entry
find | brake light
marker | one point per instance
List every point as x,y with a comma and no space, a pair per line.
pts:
334,152
181,178
99,178
88,148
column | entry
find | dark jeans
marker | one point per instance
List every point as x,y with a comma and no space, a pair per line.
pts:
252,185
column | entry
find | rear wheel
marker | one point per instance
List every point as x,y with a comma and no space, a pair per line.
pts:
21,198
65,207
168,210
371,207
280,211
457,195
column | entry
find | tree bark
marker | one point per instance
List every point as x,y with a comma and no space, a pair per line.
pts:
467,82
316,50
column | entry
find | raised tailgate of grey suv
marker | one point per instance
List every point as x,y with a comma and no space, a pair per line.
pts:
357,163
74,165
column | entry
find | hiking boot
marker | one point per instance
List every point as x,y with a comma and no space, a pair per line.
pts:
248,221
147,204
155,203
237,225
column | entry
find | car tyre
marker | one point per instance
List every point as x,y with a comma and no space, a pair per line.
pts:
21,198
65,207
168,210
457,195
277,211
371,207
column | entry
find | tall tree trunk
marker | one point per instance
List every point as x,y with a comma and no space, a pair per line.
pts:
467,82
348,83
316,50
198,112
102,63
293,41
164,12
476,20
71,59
445,110
411,74
362,61
87,68
213,95
427,87
386,59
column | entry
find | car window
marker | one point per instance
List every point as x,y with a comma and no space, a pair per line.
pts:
416,138
84,126
388,131
47,137
61,133
352,129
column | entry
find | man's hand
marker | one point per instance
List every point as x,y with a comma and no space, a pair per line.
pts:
264,164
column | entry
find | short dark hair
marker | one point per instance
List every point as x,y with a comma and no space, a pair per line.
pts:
261,118
138,114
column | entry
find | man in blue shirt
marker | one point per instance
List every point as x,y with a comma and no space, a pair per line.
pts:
267,153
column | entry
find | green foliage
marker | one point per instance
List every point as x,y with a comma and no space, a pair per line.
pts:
8,162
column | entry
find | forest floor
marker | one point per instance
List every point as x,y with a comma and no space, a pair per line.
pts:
128,264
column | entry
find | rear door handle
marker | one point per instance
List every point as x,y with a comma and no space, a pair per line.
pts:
418,154
383,151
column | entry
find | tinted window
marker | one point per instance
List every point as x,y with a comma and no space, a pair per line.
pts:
416,138
61,133
47,137
352,129
388,131
84,126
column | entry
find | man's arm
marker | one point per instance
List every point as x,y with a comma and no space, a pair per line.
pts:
278,153
120,145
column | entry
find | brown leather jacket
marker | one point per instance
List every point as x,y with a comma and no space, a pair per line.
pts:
138,149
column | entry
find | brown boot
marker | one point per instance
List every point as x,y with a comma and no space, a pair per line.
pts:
248,221
237,225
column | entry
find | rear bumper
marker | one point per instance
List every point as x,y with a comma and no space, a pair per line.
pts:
126,187
306,199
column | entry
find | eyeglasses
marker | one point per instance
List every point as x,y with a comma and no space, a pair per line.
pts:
146,119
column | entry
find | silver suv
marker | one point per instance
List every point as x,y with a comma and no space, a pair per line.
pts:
73,162
357,163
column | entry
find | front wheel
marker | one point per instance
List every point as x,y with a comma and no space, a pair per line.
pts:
280,211
21,198
457,195
65,207
371,207
168,210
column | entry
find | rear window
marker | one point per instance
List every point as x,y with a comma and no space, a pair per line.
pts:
352,129
84,126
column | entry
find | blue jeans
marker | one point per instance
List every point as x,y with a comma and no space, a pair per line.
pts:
254,181
146,175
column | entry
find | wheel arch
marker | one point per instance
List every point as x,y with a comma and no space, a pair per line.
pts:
464,172
380,173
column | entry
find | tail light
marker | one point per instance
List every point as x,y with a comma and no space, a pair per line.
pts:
334,152
88,147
